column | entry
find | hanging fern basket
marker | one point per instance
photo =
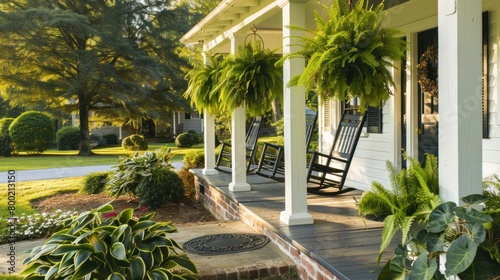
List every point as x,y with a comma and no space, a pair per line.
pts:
350,54
250,77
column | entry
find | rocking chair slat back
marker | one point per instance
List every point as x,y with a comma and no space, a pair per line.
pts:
225,156
330,170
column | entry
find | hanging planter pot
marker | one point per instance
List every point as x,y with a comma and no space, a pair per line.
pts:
250,77
350,54
203,79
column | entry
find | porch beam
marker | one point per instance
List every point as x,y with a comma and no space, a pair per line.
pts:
209,136
460,136
295,212
238,147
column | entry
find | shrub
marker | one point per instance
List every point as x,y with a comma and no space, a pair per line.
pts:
163,185
132,170
186,139
123,247
4,125
135,142
68,138
111,139
194,159
188,179
96,140
5,146
36,225
95,183
32,132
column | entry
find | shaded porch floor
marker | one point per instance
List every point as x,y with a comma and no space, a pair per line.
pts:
339,245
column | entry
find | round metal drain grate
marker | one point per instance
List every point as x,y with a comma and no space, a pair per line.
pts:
226,243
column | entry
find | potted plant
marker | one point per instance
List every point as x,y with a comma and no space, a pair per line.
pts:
203,78
349,54
456,241
407,204
250,77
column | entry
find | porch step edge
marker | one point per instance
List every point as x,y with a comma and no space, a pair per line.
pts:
280,270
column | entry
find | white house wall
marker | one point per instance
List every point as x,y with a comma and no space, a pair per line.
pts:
374,150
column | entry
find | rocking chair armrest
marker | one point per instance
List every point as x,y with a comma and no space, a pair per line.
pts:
316,154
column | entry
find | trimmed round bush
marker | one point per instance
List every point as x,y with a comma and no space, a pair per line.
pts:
4,125
95,183
188,180
5,146
32,132
68,138
186,139
163,185
111,139
135,142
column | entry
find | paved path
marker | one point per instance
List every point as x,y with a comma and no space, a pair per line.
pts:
61,172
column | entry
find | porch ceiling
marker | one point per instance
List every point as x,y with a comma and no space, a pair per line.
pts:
237,17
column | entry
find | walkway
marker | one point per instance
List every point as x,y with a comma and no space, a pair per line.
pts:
63,172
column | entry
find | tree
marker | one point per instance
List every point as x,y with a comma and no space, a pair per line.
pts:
83,55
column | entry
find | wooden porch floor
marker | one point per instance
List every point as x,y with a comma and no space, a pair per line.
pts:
339,240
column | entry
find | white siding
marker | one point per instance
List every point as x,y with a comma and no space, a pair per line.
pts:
374,150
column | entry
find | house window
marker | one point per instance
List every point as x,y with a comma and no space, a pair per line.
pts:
373,122
191,115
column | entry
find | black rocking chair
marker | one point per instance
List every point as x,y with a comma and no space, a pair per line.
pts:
330,170
225,156
272,159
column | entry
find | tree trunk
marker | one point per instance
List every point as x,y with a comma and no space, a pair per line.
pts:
84,108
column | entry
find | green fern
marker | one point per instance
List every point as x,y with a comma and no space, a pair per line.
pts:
413,194
250,77
202,81
349,54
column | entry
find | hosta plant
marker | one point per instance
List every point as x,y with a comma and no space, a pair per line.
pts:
132,170
451,244
414,192
121,247
350,54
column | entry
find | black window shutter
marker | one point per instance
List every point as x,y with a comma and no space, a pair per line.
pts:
485,65
374,119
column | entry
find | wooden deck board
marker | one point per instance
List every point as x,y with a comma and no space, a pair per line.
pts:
339,238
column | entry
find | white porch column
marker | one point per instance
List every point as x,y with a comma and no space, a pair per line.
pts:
209,137
238,147
460,136
295,212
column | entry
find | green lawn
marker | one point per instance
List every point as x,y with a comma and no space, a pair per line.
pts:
53,158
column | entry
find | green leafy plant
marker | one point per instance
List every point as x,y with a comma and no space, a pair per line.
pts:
186,139
122,247
250,77
413,194
132,170
4,125
95,183
203,79
194,159
68,138
135,142
162,185
350,53
34,226
32,132
451,244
